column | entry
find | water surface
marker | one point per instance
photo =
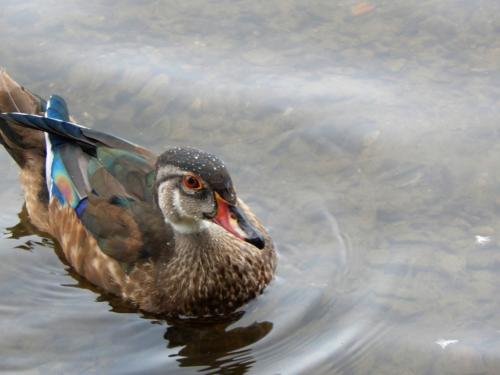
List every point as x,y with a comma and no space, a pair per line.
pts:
364,135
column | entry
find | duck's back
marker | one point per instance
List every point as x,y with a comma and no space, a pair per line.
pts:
90,190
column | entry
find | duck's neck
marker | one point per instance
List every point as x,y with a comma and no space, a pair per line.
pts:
189,240
201,245
211,271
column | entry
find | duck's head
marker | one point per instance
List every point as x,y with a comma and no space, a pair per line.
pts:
193,189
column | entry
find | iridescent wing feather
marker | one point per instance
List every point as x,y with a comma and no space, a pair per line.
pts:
107,180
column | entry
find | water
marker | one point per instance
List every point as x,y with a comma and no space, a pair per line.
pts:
366,138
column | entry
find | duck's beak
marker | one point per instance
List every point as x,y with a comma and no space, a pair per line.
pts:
232,219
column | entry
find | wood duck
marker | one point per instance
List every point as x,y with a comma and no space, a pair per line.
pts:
167,233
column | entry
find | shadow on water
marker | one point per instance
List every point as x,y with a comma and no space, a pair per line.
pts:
208,343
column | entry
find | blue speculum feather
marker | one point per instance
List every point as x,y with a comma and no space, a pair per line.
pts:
61,185
57,108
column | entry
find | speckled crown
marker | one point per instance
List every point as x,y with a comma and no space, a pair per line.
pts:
209,167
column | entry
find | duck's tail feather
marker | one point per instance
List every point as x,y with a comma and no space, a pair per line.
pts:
23,144
26,146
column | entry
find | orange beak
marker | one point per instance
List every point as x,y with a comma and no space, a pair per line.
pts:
232,219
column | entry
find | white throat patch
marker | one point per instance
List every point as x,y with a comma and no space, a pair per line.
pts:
189,227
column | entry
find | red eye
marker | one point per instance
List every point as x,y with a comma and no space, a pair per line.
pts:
192,182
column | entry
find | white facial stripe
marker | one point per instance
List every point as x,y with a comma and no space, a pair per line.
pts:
162,199
187,225
177,203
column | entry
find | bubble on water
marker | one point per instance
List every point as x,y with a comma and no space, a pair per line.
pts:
443,343
482,240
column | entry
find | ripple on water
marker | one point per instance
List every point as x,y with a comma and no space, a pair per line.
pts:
373,164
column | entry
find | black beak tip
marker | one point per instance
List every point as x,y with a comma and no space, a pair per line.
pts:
258,241
252,234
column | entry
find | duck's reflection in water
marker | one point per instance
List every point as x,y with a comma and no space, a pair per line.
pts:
215,347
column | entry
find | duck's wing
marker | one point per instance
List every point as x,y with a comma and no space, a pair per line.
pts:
126,229
86,159
106,180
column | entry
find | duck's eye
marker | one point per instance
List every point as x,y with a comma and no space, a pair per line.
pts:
192,182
